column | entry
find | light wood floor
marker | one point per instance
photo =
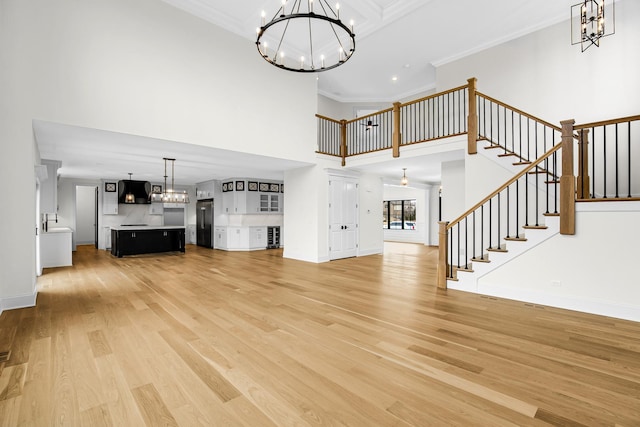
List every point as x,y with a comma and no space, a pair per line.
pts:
233,338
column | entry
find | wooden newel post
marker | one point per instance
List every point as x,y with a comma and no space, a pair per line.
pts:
442,254
567,182
583,164
395,140
343,141
472,118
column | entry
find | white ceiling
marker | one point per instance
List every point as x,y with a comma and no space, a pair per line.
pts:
401,38
96,154
395,38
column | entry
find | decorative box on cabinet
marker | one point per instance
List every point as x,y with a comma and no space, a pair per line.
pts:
110,198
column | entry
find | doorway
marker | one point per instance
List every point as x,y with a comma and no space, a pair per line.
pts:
86,215
343,217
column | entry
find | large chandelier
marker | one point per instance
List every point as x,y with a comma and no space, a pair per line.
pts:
308,39
169,195
590,22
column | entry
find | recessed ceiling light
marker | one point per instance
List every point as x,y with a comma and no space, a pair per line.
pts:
394,78
407,65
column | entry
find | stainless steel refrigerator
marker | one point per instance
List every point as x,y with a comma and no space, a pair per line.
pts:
204,227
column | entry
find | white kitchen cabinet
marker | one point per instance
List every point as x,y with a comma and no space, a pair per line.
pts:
253,202
237,238
156,209
49,187
106,236
257,237
191,234
220,238
110,198
234,202
55,247
269,202
205,190
244,199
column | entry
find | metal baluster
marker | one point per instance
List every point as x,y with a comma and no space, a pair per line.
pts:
593,162
629,156
458,247
512,134
508,209
548,184
526,199
491,121
466,240
555,182
499,221
604,169
482,232
617,193
474,234
490,223
451,253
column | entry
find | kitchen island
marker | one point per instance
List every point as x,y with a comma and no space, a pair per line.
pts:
145,239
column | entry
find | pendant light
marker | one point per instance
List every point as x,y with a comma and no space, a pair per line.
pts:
404,181
169,195
129,197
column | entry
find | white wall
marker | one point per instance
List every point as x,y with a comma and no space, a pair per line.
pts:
131,66
302,201
433,215
544,75
593,271
453,190
370,196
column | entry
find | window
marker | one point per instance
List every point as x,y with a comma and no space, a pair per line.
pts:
399,214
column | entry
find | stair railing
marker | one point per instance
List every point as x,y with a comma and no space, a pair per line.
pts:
514,132
518,204
609,159
442,115
433,117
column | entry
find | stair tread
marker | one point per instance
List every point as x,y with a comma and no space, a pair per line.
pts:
485,259
526,162
535,227
550,214
500,249
516,239
508,154
492,146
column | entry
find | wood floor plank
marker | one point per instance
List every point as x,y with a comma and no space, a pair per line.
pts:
98,416
152,407
250,338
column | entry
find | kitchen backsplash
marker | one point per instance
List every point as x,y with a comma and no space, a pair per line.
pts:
132,214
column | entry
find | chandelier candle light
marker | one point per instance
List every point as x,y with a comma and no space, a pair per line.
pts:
170,195
314,34
590,22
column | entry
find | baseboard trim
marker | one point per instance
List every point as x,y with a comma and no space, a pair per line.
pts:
576,303
367,252
21,301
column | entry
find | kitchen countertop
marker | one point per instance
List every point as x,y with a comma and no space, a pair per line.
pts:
58,230
146,227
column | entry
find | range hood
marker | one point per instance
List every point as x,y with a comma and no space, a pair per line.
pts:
140,190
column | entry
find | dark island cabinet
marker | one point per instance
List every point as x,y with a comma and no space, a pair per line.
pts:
133,242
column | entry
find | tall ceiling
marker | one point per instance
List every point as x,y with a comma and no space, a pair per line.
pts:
397,38
398,45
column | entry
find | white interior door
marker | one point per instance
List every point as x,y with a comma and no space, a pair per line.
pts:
85,215
343,217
